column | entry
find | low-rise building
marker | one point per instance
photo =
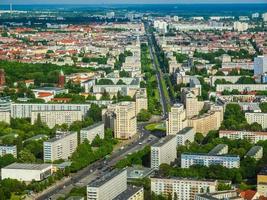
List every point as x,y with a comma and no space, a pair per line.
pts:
6,149
52,118
255,152
252,136
164,151
181,188
26,172
219,149
139,172
89,133
47,93
60,147
185,135
228,161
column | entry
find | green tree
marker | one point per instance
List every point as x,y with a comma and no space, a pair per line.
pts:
104,81
199,138
263,107
123,73
143,115
7,160
95,112
26,156
245,80
120,82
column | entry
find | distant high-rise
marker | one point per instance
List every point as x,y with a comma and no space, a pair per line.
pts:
2,77
260,67
10,7
61,79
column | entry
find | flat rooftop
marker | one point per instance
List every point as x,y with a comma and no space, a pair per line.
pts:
230,194
93,126
253,150
217,149
50,88
131,190
61,136
28,166
105,178
164,140
185,130
138,172
205,154
184,179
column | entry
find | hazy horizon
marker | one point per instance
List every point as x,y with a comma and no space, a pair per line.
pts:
99,2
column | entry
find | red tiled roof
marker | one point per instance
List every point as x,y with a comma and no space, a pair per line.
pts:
44,94
248,194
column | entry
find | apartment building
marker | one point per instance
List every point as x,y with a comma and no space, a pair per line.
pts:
232,79
8,150
113,90
164,151
60,147
219,149
5,110
260,66
89,133
24,110
26,172
109,186
176,119
240,26
193,106
262,182
241,87
252,136
52,118
141,100
255,152
132,193
121,117
221,195
260,118
228,161
181,188
206,122
185,135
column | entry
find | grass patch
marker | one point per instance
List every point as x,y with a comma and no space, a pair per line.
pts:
156,127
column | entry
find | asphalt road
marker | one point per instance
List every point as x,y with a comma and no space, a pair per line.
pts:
152,52
104,165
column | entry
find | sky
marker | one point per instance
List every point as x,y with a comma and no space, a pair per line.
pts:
126,1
